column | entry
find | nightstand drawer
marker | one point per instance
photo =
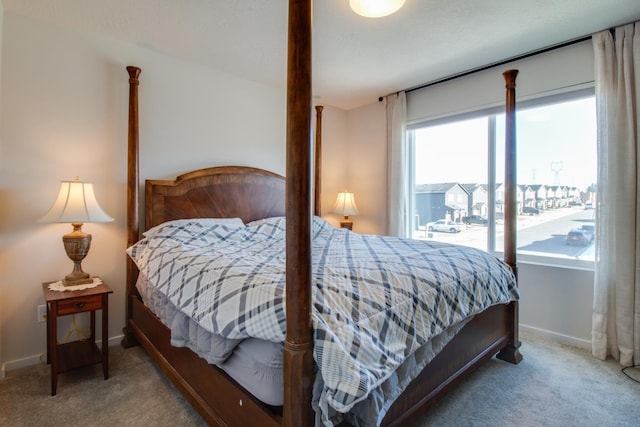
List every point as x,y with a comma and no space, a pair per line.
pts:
80,304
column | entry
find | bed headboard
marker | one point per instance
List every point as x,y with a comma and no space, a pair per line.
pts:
218,192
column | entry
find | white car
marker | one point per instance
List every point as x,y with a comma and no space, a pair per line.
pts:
445,226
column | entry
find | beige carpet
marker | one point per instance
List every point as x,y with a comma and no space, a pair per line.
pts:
555,385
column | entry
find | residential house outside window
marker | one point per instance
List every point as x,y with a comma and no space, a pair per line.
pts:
459,176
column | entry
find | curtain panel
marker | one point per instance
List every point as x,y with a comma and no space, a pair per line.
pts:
616,306
398,166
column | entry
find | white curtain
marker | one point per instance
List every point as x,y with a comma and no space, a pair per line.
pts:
397,166
616,306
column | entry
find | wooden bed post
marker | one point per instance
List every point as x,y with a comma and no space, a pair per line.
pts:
317,156
133,221
298,346
510,177
511,353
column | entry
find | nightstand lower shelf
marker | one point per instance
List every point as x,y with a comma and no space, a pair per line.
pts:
78,354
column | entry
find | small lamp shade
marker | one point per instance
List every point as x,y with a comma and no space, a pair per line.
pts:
375,8
345,205
76,204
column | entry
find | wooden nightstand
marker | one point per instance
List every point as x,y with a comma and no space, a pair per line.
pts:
76,354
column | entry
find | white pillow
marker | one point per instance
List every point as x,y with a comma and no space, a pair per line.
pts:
229,222
270,227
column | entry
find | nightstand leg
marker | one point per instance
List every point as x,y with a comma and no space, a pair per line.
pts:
53,340
48,336
105,335
92,326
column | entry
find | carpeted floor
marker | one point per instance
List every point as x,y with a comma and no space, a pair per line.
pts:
555,385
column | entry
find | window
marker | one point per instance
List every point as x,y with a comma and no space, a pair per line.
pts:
458,176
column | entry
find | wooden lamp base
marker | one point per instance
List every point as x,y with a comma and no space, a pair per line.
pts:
77,244
346,223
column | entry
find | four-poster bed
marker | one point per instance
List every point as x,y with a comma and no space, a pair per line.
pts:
252,194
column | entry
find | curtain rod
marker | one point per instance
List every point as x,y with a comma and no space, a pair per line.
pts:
502,62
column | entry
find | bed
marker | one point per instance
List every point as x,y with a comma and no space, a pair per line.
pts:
250,195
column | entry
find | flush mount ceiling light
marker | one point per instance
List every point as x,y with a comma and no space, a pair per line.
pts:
375,8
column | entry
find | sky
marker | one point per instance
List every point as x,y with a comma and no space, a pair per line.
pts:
556,144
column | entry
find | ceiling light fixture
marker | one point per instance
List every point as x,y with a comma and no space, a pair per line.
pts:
375,8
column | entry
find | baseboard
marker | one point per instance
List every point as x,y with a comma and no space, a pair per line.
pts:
564,339
21,363
115,340
41,358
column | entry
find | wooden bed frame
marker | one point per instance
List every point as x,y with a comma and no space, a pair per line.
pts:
250,194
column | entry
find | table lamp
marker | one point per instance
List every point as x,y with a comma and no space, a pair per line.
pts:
345,205
76,204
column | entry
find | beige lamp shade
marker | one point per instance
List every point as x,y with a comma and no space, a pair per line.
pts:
76,204
375,8
345,204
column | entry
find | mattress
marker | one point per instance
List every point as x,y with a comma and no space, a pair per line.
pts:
257,364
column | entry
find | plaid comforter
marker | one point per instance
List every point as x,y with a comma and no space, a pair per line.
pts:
375,299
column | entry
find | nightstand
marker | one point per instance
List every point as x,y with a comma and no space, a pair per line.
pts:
76,354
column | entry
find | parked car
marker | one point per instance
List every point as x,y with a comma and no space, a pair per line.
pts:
578,236
475,219
590,229
588,204
528,210
445,226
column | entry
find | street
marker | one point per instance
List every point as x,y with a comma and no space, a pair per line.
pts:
542,234
548,237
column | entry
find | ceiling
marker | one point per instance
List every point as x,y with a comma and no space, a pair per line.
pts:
355,59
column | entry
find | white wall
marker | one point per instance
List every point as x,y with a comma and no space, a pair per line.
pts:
64,110
368,167
557,71
354,159
556,302
335,160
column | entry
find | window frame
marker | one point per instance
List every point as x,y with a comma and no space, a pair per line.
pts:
579,92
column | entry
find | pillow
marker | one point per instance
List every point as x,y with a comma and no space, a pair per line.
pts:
229,222
269,227
276,226
320,225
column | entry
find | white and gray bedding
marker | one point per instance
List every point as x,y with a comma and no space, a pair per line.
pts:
376,300
255,364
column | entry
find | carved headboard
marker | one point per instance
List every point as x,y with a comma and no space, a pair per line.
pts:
219,192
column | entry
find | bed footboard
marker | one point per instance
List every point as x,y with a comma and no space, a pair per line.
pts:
485,335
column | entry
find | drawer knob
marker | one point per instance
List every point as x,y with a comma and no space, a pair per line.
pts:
80,305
